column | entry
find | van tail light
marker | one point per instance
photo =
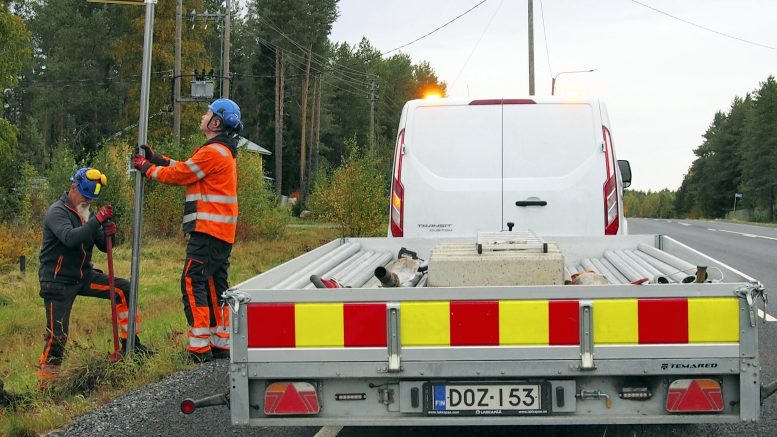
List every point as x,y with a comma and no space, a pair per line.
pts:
611,213
694,396
291,398
397,189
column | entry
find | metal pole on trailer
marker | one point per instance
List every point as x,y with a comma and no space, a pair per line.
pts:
148,39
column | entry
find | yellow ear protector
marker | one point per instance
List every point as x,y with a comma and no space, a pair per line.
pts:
94,175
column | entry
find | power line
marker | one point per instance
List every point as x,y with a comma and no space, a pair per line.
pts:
545,35
435,30
346,81
322,66
318,57
477,43
706,28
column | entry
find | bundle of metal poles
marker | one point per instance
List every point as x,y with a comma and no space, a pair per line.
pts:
646,262
349,264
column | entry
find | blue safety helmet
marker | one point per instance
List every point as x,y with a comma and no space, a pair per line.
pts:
228,112
89,182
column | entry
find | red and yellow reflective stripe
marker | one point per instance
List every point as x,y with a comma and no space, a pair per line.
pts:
494,323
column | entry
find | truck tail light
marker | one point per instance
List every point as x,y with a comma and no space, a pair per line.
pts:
694,396
611,210
397,189
291,398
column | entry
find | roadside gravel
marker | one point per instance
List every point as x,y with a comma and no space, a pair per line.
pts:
153,410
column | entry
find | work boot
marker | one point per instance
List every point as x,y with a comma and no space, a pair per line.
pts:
198,358
47,376
140,349
219,353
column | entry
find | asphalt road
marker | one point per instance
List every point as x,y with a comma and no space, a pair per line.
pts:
154,410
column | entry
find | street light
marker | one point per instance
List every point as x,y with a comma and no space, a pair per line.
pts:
553,82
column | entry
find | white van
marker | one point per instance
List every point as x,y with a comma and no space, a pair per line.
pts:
542,163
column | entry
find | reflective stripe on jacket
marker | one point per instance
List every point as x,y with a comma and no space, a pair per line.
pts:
210,177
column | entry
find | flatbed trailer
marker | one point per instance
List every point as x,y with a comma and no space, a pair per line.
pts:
495,355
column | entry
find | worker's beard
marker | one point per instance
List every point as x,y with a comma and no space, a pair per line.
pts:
84,211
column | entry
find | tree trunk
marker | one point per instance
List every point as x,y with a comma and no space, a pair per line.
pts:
46,132
279,73
303,122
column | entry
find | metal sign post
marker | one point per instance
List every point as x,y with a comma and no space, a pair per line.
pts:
736,196
145,86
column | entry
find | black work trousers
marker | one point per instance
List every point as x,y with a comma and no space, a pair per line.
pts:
204,279
58,299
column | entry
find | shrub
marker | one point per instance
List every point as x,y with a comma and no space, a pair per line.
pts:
260,214
63,165
353,195
15,241
33,203
163,204
112,161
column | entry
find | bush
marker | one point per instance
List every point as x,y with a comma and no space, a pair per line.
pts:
33,202
112,161
260,214
63,165
15,242
163,204
353,195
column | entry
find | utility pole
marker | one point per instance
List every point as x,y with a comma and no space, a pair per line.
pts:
177,74
531,47
303,123
373,97
225,68
316,138
280,69
311,135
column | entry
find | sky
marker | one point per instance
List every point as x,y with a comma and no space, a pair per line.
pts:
662,79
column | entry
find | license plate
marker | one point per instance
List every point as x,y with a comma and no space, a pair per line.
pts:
490,399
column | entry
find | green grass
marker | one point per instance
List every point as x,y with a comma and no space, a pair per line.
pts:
88,379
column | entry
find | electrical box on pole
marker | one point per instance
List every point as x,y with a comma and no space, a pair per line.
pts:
202,85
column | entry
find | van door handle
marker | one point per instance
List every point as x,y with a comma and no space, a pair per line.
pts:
531,203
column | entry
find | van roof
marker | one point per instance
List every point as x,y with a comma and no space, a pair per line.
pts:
497,100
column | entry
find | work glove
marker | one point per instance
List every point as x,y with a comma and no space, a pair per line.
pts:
141,163
109,228
153,157
104,214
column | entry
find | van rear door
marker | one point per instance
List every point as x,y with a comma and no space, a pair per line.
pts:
451,169
553,168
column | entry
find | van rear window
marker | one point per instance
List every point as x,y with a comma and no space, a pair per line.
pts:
463,142
548,140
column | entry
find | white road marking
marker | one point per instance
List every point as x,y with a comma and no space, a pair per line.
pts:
684,224
710,229
769,317
329,431
749,235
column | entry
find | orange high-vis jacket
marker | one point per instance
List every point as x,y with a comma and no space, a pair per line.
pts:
210,177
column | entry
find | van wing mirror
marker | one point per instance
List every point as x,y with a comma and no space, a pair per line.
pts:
625,169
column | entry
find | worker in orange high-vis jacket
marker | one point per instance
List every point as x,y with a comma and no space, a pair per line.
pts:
70,232
209,220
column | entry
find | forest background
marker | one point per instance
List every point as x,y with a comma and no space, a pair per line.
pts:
324,109
70,73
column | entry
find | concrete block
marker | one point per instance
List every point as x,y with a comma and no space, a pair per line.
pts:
459,265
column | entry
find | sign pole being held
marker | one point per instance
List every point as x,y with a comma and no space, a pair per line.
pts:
148,40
